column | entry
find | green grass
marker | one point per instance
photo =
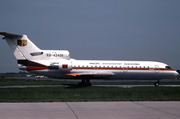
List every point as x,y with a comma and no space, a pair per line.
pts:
59,94
10,82
89,94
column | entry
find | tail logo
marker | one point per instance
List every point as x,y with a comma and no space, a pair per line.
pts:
21,42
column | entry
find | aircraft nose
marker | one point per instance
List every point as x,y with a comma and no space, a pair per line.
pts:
176,73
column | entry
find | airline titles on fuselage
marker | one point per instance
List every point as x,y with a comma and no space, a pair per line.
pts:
131,64
96,63
113,64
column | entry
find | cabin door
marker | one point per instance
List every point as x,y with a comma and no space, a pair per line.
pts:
156,68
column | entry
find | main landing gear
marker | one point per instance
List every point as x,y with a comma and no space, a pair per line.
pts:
157,83
84,82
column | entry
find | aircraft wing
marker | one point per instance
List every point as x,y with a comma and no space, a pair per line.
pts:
91,74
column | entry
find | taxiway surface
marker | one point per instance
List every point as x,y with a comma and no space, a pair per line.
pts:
91,110
120,86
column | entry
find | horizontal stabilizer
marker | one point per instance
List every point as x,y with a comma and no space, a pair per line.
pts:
10,35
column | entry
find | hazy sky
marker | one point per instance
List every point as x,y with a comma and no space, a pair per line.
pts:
95,29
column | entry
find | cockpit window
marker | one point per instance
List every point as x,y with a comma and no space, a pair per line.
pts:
168,67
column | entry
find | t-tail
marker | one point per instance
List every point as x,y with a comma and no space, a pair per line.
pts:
21,46
28,54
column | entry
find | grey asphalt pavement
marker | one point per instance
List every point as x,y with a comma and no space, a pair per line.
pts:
91,110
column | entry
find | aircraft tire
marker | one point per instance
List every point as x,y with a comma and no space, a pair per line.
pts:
156,84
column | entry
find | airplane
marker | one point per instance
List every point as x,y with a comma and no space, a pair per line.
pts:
58,64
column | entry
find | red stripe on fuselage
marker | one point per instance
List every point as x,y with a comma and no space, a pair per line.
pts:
36,68
100,68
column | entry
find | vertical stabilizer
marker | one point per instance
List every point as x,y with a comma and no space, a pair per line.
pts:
21,46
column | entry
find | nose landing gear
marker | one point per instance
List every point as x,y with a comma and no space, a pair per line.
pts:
157,83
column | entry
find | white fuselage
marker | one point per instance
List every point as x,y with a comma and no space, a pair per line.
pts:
95,69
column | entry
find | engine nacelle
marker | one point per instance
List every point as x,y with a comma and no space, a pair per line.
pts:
65,65
62,65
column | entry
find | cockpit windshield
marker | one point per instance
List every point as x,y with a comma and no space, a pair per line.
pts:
168,67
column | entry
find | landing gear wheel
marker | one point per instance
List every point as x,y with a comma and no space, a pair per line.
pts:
80,84
84,83
89,84
156,84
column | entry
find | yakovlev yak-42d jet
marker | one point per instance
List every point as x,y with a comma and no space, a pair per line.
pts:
58,64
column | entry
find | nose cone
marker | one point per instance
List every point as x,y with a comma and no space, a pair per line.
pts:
176,73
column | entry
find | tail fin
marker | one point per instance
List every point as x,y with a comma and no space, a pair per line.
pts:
21,46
